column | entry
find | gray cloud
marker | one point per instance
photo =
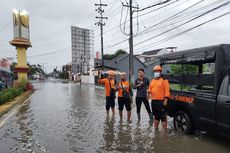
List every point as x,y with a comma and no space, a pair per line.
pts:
50,22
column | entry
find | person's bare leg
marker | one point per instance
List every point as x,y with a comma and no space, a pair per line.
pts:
156,124
164,124
121,115
129,116
113,111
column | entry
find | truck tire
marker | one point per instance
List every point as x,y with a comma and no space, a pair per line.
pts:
182,122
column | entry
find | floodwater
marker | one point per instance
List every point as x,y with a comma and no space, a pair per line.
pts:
66,118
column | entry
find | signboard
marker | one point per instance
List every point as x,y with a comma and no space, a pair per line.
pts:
21,25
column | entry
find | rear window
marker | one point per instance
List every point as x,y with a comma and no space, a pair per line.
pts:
190,77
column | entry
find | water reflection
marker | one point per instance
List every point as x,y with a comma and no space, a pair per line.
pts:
68,118
124,138
109,133
24,117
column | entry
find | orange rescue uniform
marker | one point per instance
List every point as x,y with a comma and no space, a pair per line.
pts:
107,86
126,86
159,89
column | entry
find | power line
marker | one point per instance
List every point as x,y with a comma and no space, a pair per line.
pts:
183,17
6,25
120,25
168,4
209,11
140,15
124,40
171,17
190,29
49,53
148,7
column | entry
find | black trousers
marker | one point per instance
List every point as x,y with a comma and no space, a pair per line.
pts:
139,101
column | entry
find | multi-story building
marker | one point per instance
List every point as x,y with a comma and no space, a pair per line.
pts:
82,50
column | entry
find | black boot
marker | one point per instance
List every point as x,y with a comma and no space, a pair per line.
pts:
138,116
151,117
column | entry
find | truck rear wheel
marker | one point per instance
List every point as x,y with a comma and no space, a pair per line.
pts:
182,122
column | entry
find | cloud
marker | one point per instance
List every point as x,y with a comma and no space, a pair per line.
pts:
50,22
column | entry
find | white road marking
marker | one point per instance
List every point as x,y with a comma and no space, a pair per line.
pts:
8,115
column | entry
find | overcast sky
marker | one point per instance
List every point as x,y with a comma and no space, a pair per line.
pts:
50,22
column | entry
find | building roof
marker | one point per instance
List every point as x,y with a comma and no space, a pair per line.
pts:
105,67
193,55
151,52
113,62
152,62
97,60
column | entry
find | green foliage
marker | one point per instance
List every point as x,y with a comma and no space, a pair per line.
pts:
185,69
9,94
23,84
180,87
33,69
177,69
117,53
12,66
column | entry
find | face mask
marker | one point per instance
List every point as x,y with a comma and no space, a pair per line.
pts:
157,74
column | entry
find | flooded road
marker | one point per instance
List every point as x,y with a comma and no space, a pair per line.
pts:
67,118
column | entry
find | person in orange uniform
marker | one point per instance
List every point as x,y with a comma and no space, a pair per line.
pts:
159,92
124,99
109,84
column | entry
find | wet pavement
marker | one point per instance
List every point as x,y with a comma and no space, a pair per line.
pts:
66,118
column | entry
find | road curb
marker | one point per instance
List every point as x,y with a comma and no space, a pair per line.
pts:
17,100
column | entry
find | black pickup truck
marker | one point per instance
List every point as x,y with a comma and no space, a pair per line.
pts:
200,99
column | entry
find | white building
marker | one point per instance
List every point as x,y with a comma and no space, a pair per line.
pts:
82,53
151,55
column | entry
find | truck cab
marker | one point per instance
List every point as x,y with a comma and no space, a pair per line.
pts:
200,92
223,107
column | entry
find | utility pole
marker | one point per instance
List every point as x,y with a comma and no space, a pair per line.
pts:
131,72
101,24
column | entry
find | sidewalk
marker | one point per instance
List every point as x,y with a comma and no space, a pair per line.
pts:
17,100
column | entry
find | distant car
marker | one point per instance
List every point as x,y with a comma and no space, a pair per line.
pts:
6,78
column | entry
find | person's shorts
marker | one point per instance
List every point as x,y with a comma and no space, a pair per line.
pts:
110,102
159,110
124,102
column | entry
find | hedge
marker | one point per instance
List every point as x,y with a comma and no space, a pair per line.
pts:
9,94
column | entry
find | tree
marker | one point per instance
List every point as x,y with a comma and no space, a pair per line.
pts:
185,69
33,69
117,53
12,66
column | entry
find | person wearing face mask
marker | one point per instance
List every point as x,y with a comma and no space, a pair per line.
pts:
159,93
